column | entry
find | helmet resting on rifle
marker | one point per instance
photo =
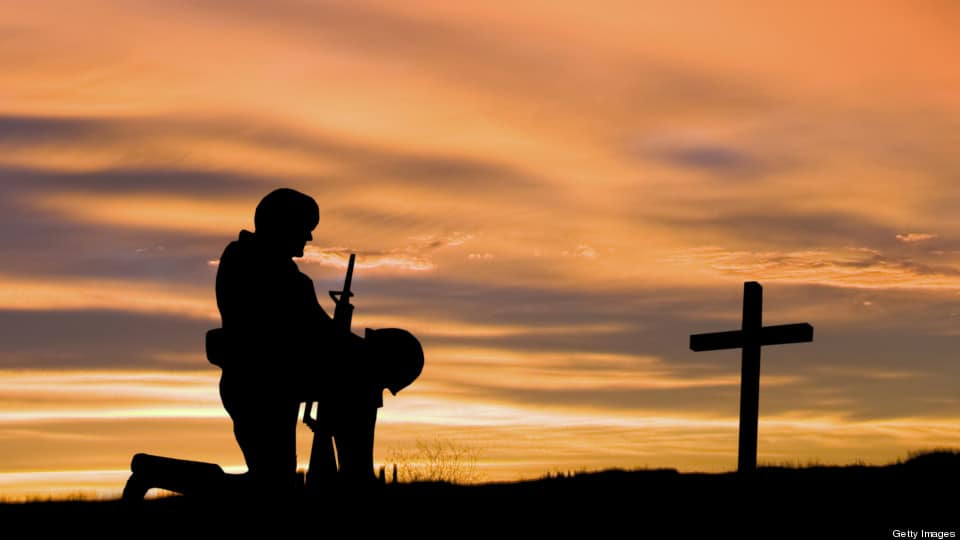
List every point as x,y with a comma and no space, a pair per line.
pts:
398,354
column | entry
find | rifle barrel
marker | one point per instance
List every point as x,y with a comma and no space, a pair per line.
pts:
346,282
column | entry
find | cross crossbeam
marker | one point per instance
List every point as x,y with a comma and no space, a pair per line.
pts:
769,335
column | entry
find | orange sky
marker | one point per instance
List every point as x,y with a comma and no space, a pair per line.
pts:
551,195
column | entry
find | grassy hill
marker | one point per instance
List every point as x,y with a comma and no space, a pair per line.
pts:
819,502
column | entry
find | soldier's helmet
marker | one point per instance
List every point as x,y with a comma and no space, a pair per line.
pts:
286,210
398,355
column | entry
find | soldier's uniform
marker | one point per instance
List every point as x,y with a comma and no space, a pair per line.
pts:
282,348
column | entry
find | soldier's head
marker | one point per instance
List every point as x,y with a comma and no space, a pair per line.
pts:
285,219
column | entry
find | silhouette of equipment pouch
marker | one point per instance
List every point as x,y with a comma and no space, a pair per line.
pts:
220,348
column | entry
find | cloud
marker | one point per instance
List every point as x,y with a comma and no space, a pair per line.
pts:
915,237
709,157
415,256
155,142
796,229
717,158
35,243
337,257
552,348
582,250
831,378
851,239
850,267
24,182
90,338
20,129
112,222
437,41
34,395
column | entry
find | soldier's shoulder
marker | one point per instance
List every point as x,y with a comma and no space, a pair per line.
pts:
230,258
239,247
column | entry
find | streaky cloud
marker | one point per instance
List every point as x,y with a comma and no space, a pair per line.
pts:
85,339
357,162
853,267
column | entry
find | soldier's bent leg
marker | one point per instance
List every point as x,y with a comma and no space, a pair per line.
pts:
268,441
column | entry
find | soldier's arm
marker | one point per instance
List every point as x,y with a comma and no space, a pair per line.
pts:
324,325
317,318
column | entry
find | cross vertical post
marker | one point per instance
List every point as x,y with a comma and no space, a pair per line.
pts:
752,323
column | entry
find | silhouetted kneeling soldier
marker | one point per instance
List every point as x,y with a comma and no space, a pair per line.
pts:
277,347
275,331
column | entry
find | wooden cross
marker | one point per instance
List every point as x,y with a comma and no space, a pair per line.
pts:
750,338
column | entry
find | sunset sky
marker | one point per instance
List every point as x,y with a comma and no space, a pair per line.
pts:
552,195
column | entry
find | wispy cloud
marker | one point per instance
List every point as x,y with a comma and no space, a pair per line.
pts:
696,152
915,237
851,267
337,257
415,256
582,250
110,294
101,337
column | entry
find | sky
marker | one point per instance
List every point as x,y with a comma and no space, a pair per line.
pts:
551,195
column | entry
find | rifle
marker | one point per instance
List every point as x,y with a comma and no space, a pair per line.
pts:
323,463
